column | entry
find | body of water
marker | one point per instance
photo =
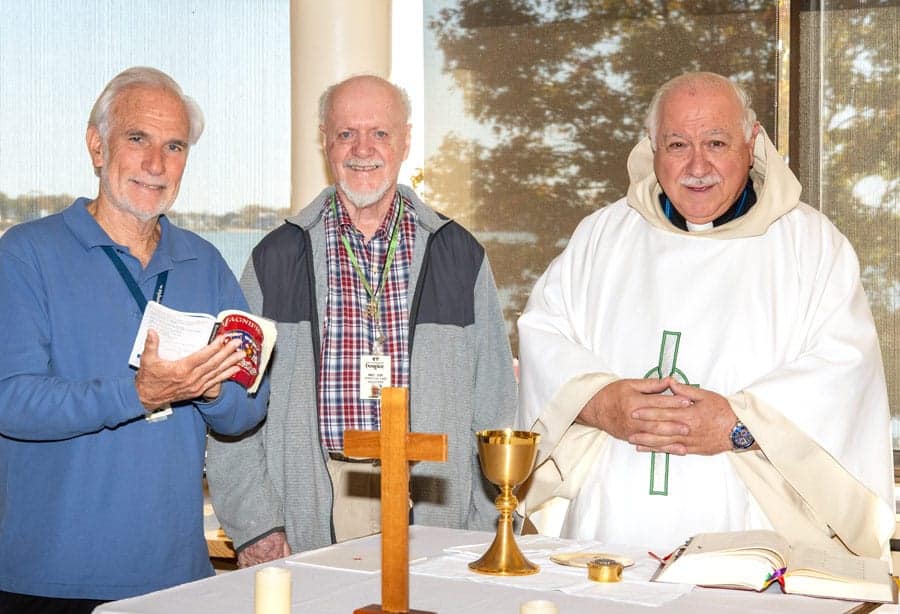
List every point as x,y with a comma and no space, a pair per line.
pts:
235,245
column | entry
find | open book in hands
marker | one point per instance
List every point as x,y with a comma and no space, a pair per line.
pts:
754,559
182,333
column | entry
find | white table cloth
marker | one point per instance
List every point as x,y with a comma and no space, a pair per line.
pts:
340,578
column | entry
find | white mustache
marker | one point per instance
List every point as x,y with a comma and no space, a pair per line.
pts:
700,182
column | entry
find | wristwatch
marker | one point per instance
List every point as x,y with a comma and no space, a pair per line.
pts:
741,438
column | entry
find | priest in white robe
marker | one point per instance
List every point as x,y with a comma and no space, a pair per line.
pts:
702,357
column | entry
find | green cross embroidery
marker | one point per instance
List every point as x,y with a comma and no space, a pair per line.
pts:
668,356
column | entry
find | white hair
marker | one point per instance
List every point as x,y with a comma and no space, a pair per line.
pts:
694,80
148,77
328,94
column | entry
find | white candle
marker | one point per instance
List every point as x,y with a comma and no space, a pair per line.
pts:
273,591
538,606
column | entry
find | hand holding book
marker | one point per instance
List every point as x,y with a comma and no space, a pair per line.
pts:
182,334
160,382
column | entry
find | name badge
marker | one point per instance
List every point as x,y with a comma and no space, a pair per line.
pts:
374,374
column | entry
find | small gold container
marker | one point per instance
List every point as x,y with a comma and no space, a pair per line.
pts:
604,570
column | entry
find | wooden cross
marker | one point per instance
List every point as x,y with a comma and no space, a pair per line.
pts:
396,447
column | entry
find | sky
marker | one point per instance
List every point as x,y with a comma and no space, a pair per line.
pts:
231,56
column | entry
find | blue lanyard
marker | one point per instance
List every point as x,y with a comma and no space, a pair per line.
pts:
132,284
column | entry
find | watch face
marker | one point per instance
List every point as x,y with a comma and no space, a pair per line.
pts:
741,438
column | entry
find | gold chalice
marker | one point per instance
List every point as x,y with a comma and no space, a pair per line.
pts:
506,458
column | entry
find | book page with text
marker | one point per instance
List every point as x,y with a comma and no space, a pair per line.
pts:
812,561
743,559
180,333
841,575
768,544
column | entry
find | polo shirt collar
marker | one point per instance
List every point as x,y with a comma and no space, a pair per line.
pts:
173,246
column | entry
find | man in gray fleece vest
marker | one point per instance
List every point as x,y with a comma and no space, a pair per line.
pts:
369,287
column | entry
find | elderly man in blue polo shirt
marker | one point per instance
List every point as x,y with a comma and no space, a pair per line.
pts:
100,492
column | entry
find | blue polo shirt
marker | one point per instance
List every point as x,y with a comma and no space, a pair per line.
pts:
95,501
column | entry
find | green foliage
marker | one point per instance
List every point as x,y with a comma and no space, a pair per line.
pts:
560,87
36,205
30,206
249,216
563,87
859,115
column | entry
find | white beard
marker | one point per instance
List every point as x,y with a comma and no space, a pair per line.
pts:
126,206
361,200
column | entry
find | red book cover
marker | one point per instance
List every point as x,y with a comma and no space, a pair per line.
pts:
235,326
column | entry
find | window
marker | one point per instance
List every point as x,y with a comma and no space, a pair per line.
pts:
231,57
847,103
532,107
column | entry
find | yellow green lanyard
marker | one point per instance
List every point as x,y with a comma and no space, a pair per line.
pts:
372,307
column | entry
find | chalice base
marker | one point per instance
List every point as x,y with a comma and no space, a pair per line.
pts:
504,558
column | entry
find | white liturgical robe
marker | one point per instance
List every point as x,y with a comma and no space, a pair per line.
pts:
767,310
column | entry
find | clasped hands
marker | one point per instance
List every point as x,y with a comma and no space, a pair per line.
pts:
160,382
690,420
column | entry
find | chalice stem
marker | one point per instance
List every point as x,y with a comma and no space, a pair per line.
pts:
504,558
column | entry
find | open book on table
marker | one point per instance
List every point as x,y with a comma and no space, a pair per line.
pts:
182,333
754,559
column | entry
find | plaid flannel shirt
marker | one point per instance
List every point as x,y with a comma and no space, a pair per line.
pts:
348,332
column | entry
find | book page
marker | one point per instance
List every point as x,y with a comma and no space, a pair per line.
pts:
766,543
742,559
745,559
838,574
180,333
839,565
